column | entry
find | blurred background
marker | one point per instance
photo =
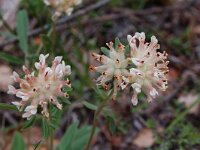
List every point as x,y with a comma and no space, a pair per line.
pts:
171,122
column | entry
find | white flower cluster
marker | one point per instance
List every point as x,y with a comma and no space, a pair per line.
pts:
62,6
41,89
144,68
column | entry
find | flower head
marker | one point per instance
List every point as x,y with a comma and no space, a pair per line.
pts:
41,88
149,73
114,68
144,69
66,6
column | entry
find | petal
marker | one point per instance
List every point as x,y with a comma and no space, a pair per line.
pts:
124,83
48,71
22,95
134,99
26,70
68,70
17,104
37,65
16,77
47,2
137,72
57,59
129,37
59,70
136,87
153,92
34,111
11,90
154,40
26,115
137,61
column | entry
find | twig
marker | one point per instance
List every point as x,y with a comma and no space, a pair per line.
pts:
79,13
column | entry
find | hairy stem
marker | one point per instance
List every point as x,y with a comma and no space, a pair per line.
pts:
51,145
96,115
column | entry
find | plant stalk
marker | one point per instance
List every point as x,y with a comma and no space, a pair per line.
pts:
51,140
97,113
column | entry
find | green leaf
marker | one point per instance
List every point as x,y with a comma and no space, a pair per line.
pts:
64,100
117,42
89,105
81,138
127,49
9,58
7,106
45,128
99,91
68,138
74,138
22,30
29,123
47,44
56,115
67,89
18,142
105,51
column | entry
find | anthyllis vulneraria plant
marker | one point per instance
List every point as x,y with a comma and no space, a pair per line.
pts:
143,68
62,6
41,87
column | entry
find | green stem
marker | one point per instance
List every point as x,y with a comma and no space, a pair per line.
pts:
97,113
51,139
51,145
181,116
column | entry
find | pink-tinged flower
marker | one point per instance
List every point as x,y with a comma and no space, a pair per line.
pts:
62,6
41,87
113,69
149,73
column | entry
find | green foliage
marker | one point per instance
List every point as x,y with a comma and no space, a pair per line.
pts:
64,100
9,58
45,128
47,43
105,51
56,115
22,30
29,123
89,105
18,142
8,107
117,42
183,136
74,138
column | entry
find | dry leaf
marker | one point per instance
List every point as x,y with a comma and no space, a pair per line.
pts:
5,77
187,100
144,138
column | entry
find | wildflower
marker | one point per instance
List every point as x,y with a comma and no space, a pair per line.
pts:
66,6
149,73
144,69
41,88
114,68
